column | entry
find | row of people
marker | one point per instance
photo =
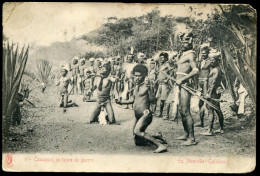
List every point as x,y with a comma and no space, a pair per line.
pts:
169,83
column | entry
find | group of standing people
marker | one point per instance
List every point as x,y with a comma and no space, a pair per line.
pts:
170,83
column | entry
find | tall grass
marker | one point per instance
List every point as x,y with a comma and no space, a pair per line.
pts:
43,71
14,63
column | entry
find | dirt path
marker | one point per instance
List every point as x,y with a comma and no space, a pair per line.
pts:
46,129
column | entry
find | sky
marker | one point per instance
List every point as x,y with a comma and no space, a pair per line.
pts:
43,23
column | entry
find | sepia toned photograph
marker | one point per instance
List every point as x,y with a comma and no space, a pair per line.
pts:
128,87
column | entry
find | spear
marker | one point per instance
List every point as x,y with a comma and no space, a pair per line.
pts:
134,87
222,101
193,92
30,103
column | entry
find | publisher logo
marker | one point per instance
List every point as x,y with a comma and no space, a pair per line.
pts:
9,160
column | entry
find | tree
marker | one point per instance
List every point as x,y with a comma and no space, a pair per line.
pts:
89,54
231,27
139,32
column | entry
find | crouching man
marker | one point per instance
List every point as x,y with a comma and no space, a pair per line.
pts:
143,96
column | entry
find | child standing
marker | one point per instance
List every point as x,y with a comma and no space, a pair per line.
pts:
63,84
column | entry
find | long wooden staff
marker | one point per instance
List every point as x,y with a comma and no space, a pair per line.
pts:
193,93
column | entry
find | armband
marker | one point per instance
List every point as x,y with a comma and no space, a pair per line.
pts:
145,112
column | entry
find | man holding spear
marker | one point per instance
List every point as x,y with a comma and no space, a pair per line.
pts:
187,68
213,94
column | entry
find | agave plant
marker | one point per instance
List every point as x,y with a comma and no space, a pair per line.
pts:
29,75
43,72
14,63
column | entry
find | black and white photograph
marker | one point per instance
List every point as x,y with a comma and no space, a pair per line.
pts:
128,87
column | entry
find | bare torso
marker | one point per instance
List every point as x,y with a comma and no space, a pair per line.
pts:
88,82
74,69
81,70
64,83
116,70
214,80
90,68
204,72
104,94
184,64
164,68
142,100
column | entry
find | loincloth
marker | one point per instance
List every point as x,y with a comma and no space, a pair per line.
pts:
202,85
202,79
177,92
103,100
145,112
190,80
180,73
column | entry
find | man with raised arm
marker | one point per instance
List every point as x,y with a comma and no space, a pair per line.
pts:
187,69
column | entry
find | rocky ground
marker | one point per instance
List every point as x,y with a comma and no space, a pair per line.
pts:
47,129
